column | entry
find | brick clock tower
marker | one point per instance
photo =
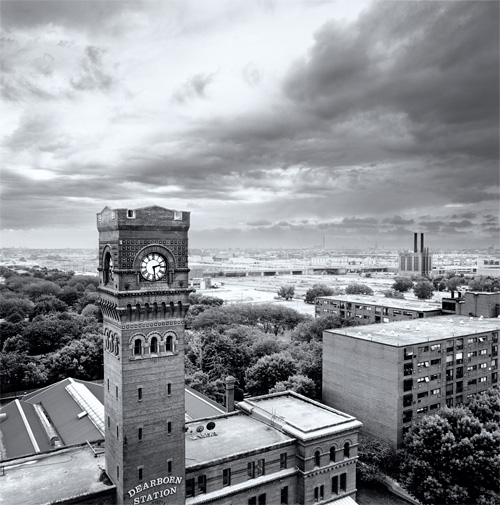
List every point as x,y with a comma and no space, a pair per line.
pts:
143,289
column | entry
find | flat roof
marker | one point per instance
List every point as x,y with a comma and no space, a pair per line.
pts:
233,434
46,478
416,331
394,303
297,415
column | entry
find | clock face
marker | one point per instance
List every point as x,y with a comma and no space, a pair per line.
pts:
153,267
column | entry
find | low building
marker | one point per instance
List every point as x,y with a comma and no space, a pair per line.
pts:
370,309
389,375
473,304
489,267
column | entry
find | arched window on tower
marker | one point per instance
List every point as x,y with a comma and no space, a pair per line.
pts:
317,458
137,347
169,343
347,450
332,454
154,345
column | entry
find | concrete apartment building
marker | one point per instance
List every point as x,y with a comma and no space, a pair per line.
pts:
370,309
387,376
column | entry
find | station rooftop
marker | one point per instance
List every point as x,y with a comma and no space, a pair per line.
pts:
415,331
234,434
394,303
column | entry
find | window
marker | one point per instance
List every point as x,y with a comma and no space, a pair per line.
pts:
335,484
472,382
459,343
347,450
190,488
482,352
459,372
449,374
109,422
116,392
482,338
283,457
319,493
169,427
424,348
435,347
482,379
423,364
407,384
422,410
435,391
169,344
423,379
202,483
137,347
154,345
108,384
471,368
130,214
472,340
262,499
139,472
169,466
434,406
117,471
284,495
251,469
317,458
226,477
423,394
407,416
343,481
459,357
139,394
483,365
252,500
169,389
332,453
449,389
436,361
139,433
117,432
435,377
407,369
449,346
472,354
261,467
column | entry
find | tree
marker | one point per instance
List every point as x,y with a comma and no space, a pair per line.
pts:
269,370
286,292
452,458
484,283
376,459
318,290
402,284
453,283
358,289
41,288
297,383
423,290
392,293
312,329
9,304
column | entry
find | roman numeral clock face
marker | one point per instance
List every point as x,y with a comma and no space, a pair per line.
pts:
153,267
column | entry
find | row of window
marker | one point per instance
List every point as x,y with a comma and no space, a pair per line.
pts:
140,348
338,484
333,454
139,391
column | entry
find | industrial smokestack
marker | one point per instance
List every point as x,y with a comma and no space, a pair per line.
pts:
422,242
415,242
230,381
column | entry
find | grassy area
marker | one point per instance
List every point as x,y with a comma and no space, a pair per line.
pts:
376,494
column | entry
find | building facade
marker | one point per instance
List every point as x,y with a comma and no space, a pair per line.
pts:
389,375
368,309
473,304
144,299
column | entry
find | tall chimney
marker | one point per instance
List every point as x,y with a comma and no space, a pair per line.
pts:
422,242
230,381
415,242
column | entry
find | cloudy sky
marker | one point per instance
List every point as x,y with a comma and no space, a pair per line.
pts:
276,123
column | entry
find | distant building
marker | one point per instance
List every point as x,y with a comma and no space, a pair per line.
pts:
488,267
387,376
473,304
416,262
370,309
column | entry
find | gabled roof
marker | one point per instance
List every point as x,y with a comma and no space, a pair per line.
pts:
26,429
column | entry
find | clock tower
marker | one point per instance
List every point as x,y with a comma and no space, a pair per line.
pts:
144,291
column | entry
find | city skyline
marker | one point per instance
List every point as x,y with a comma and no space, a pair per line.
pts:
273,123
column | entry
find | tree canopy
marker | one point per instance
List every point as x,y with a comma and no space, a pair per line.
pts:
424,290
286,292
453,457
402,284
358,289
318,290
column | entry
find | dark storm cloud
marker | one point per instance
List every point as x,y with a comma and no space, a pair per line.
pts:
434,62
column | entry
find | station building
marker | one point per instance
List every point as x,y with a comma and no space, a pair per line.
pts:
387,376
